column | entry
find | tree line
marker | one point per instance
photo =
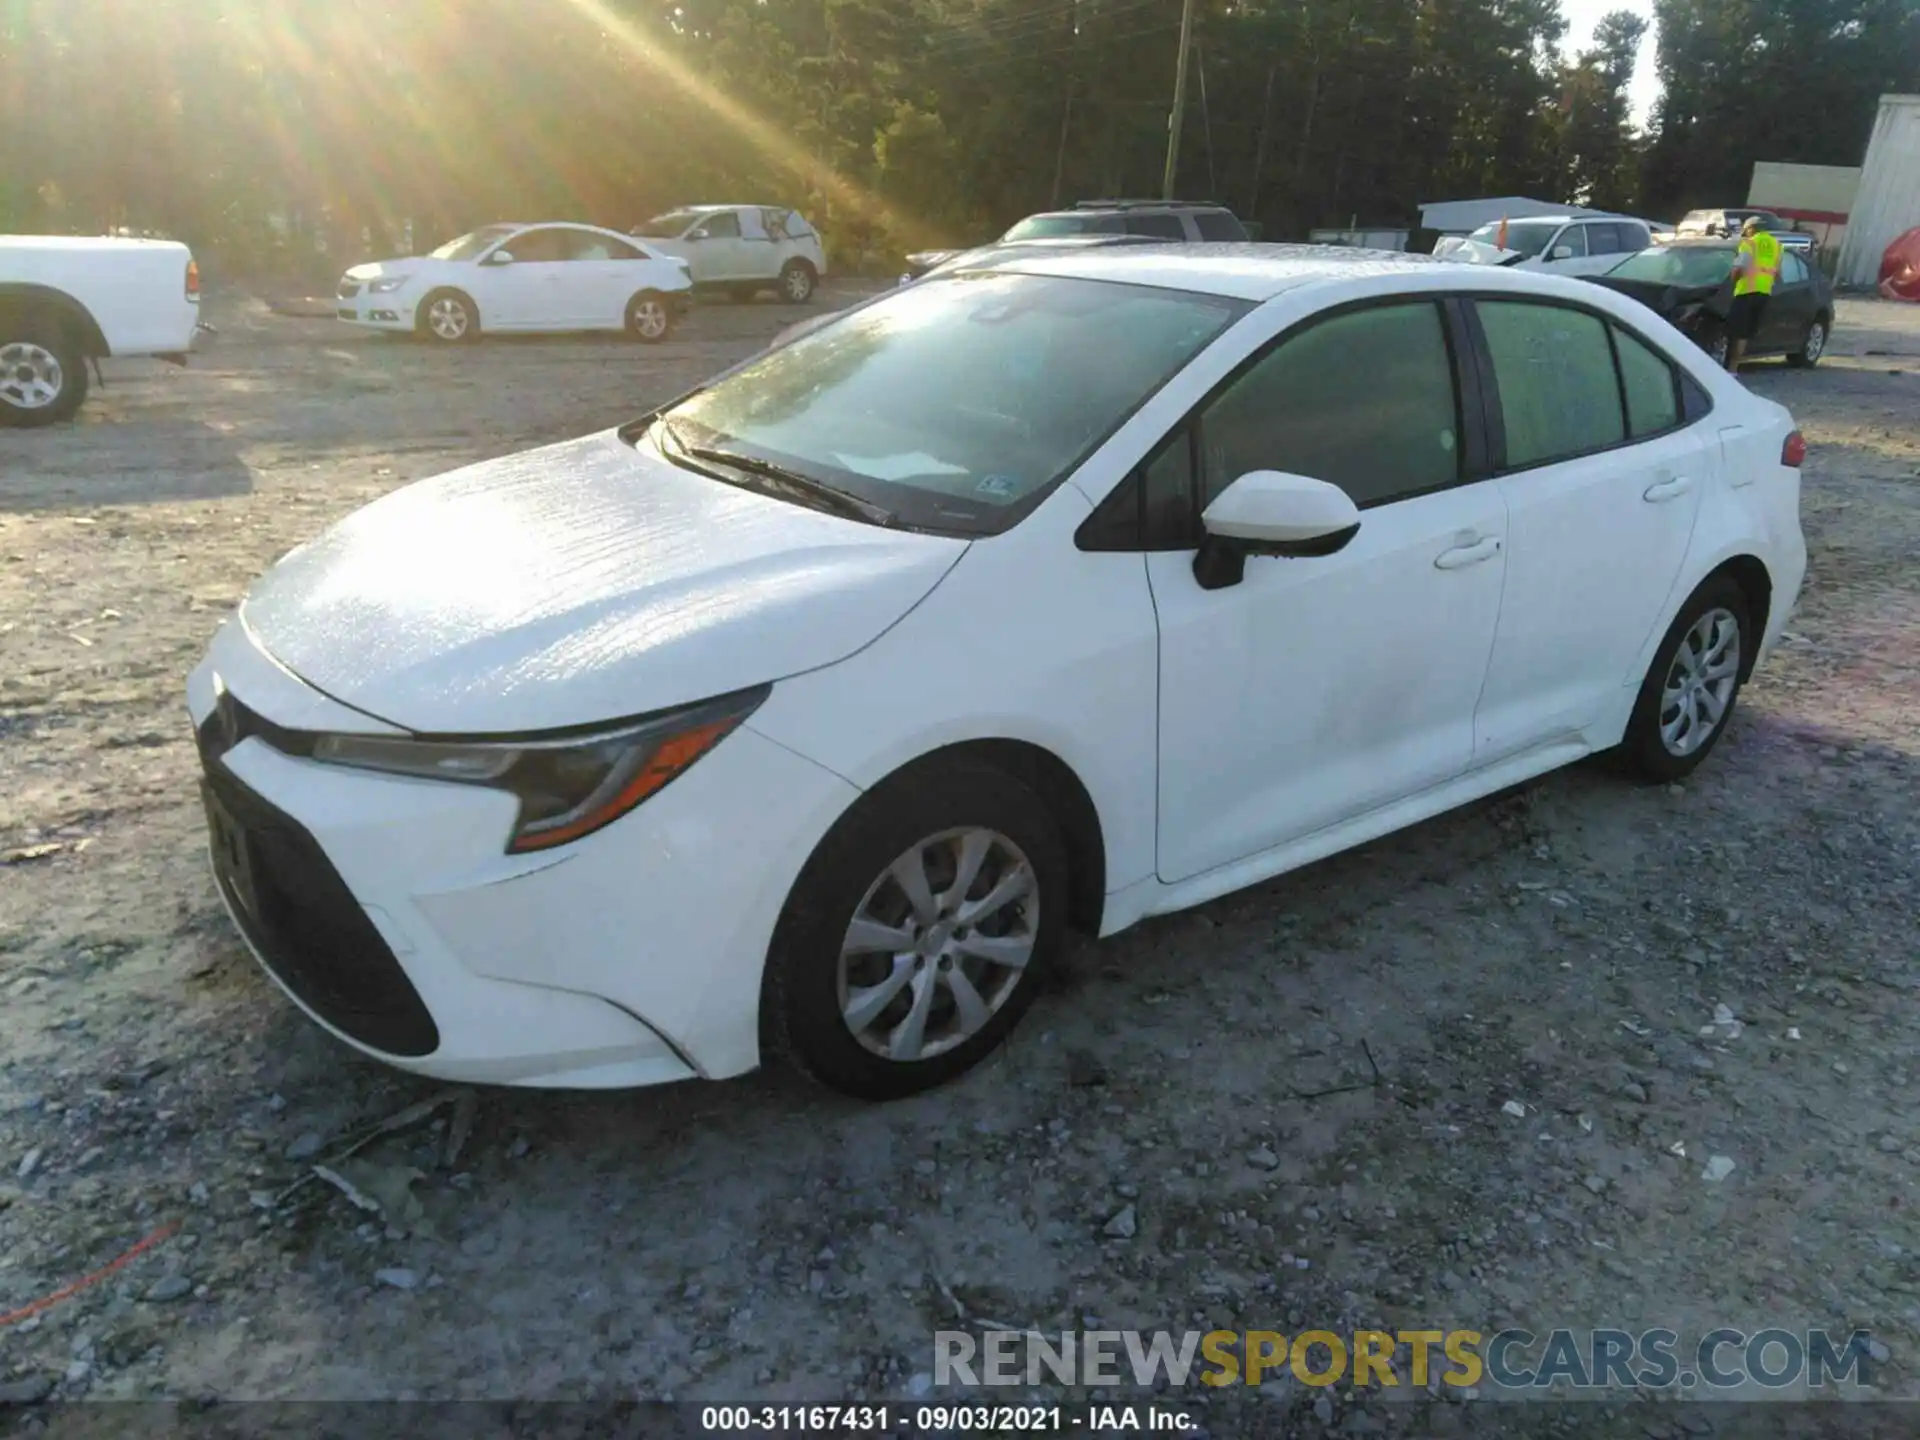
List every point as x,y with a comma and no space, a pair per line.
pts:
263,130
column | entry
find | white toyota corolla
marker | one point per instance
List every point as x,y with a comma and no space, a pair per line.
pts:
805,715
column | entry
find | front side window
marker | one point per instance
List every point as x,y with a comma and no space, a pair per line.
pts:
1554,371
534,247
1219,225
956,404
469,246
1653,397
722,225
1161,227
1572,239
1363,400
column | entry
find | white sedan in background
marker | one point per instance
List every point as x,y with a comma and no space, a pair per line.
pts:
806,715
526,278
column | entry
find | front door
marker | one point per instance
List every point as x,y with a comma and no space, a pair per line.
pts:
1601,502
1315,690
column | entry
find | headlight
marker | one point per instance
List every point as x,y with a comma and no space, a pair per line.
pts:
568,786
387,284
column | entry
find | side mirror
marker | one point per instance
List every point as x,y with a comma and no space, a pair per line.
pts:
500,257
1562,252
696,235
1269,512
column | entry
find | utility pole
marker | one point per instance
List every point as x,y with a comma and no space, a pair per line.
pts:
1179,101
1066,112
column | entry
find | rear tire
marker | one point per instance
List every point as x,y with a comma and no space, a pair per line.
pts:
1688,696
43,370
980,915
446,317
797,282
649,317
1812,347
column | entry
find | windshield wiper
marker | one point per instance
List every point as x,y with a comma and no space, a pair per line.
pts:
802,487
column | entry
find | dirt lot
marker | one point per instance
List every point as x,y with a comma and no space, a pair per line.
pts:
1564,948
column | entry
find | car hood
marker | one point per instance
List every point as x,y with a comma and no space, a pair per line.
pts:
410,265
1662,299
583,582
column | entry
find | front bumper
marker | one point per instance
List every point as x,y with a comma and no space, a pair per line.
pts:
392,311
388,910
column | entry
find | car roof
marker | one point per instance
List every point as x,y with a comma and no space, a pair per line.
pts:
1242,272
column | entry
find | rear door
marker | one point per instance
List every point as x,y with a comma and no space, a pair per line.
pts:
599,278
1602,475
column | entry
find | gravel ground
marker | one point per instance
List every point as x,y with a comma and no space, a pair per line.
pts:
1566,948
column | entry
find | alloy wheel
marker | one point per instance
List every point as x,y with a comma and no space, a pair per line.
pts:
649,319
938,944
31,376
447,318
799,285
1816,343
1700,682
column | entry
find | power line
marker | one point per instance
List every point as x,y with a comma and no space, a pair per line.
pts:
1036,23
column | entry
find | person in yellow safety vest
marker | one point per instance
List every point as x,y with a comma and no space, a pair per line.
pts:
1755,267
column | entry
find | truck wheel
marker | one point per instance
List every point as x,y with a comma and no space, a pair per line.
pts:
43,372
797,281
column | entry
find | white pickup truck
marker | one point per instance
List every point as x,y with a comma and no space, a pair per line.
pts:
67,300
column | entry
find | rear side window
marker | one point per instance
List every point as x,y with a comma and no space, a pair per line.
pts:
1364,400
1162,227
1647,380
1219,225
1554,371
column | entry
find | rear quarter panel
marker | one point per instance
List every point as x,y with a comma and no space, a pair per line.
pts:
136,292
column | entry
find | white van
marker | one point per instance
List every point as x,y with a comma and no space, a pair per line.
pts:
742,248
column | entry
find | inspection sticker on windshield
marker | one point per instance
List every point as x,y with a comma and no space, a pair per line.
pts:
1000,487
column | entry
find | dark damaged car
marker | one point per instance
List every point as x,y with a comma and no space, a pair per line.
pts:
1690,284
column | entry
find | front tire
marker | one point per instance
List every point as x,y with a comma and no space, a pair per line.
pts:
649,318
797,282
448,318
1688,696
918,933
1812,347
43,371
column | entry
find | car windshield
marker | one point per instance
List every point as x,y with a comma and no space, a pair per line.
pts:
1683,265
470,245
1529,237
956,404
668,226
1042,227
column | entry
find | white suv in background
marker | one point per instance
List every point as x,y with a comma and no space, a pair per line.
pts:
743,249
527,278
1564,244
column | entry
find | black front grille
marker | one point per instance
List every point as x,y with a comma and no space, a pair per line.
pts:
298,912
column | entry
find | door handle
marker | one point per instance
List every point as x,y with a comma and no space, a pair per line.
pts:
1461,556
1671,488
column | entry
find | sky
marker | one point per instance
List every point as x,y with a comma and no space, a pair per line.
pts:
1583,15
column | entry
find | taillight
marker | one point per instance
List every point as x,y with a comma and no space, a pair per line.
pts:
193,279
1794,451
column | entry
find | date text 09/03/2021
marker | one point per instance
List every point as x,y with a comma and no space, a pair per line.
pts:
915,1420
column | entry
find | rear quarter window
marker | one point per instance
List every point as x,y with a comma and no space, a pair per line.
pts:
1219,225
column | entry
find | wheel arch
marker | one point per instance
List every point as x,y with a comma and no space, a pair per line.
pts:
19,295
1059,787
459,292
1750,573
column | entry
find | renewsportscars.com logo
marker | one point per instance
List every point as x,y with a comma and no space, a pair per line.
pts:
1771,1361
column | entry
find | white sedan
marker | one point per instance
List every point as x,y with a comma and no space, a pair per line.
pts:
806,715
526,278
